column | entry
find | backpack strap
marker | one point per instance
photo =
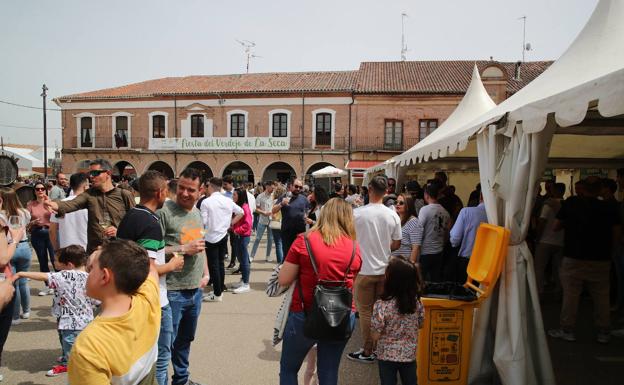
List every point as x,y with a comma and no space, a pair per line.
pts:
313,260
350,262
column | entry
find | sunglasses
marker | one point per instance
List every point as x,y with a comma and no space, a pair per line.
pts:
39,188
95,173
298,187
400,203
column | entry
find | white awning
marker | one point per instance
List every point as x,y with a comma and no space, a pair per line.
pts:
447,138
590,74
329,172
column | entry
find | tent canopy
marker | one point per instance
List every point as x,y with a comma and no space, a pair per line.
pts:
445,140
588,76
329,172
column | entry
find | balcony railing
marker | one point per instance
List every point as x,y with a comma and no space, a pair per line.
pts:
340,143
107,142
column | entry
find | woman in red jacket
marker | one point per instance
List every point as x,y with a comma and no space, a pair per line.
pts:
242,233
332,240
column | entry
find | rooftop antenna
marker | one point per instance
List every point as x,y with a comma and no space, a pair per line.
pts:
525,46
403,43
247,47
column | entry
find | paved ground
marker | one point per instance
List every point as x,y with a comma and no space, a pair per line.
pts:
233,344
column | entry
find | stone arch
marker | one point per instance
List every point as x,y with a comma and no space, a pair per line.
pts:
163,167
124,168
279,171
204,169
240,171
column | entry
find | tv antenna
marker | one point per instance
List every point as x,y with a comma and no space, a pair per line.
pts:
247,47
525,46
403,43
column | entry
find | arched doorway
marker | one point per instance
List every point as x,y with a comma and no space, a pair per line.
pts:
309,179
240,171
124,170
163,167
203,168
83,165
279,171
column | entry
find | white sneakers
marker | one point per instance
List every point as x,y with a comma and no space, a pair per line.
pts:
45,291
211,297
243,288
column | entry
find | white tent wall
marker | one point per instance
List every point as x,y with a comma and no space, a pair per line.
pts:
508,328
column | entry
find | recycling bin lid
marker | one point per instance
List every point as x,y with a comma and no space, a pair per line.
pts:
488,256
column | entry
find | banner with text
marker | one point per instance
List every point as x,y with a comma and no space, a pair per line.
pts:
213,144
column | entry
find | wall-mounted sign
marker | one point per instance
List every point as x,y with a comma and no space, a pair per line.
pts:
220,143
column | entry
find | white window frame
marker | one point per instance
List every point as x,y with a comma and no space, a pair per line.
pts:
333,123
79,128
229,121
151,123
279,111
114,125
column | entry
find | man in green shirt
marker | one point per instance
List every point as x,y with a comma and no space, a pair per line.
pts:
182,229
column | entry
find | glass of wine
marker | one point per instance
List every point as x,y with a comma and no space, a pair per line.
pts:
105,221
15,222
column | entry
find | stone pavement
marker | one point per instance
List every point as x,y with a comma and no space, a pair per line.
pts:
233,344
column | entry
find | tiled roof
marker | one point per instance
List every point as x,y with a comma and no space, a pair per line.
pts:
285,82
411,77
429,77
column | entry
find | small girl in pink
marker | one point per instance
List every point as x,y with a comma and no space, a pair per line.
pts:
397,316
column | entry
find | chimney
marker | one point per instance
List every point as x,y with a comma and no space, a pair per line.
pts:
517,70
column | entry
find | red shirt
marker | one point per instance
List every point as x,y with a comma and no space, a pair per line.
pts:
331,262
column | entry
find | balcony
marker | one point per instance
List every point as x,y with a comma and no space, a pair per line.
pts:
340,143
106,142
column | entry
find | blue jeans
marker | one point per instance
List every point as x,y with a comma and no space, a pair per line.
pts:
259,234
21,262
40,239
242,252
67,338
165,340
256,217
185,309
295,347
277,238
388,372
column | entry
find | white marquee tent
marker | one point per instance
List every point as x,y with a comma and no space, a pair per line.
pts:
329,172
582,93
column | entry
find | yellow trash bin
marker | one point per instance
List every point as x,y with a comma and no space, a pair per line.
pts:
444,341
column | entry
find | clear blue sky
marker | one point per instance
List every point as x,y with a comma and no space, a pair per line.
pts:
78,45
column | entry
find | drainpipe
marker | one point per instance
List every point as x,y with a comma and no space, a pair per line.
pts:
175,132
302,133
349,137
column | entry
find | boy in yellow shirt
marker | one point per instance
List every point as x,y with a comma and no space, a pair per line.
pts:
120,345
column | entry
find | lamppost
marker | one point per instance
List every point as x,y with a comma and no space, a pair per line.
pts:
45,134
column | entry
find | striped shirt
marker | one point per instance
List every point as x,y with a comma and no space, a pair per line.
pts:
433,223
408,238
142,226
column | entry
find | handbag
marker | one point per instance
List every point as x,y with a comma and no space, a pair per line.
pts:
329,318
275,225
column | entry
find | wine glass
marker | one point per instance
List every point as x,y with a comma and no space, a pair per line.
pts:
105,221
15,222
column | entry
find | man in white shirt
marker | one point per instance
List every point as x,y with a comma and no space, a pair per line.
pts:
264,205
217,211
378,230
71,229
550,245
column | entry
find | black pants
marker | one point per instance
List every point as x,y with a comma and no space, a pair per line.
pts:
388,372
288,237
215,254
6,316
431,267
461,265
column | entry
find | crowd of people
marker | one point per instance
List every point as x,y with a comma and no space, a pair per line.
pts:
127,264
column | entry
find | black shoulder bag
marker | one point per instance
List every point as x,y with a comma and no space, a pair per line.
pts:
329,319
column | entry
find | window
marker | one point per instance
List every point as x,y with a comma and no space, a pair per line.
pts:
158,126
427,126
86,134
393,135
197,126
323,129
121,131
280,125
237,126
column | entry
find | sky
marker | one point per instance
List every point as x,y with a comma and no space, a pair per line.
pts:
75,45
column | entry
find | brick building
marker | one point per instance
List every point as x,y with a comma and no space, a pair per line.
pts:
274,125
